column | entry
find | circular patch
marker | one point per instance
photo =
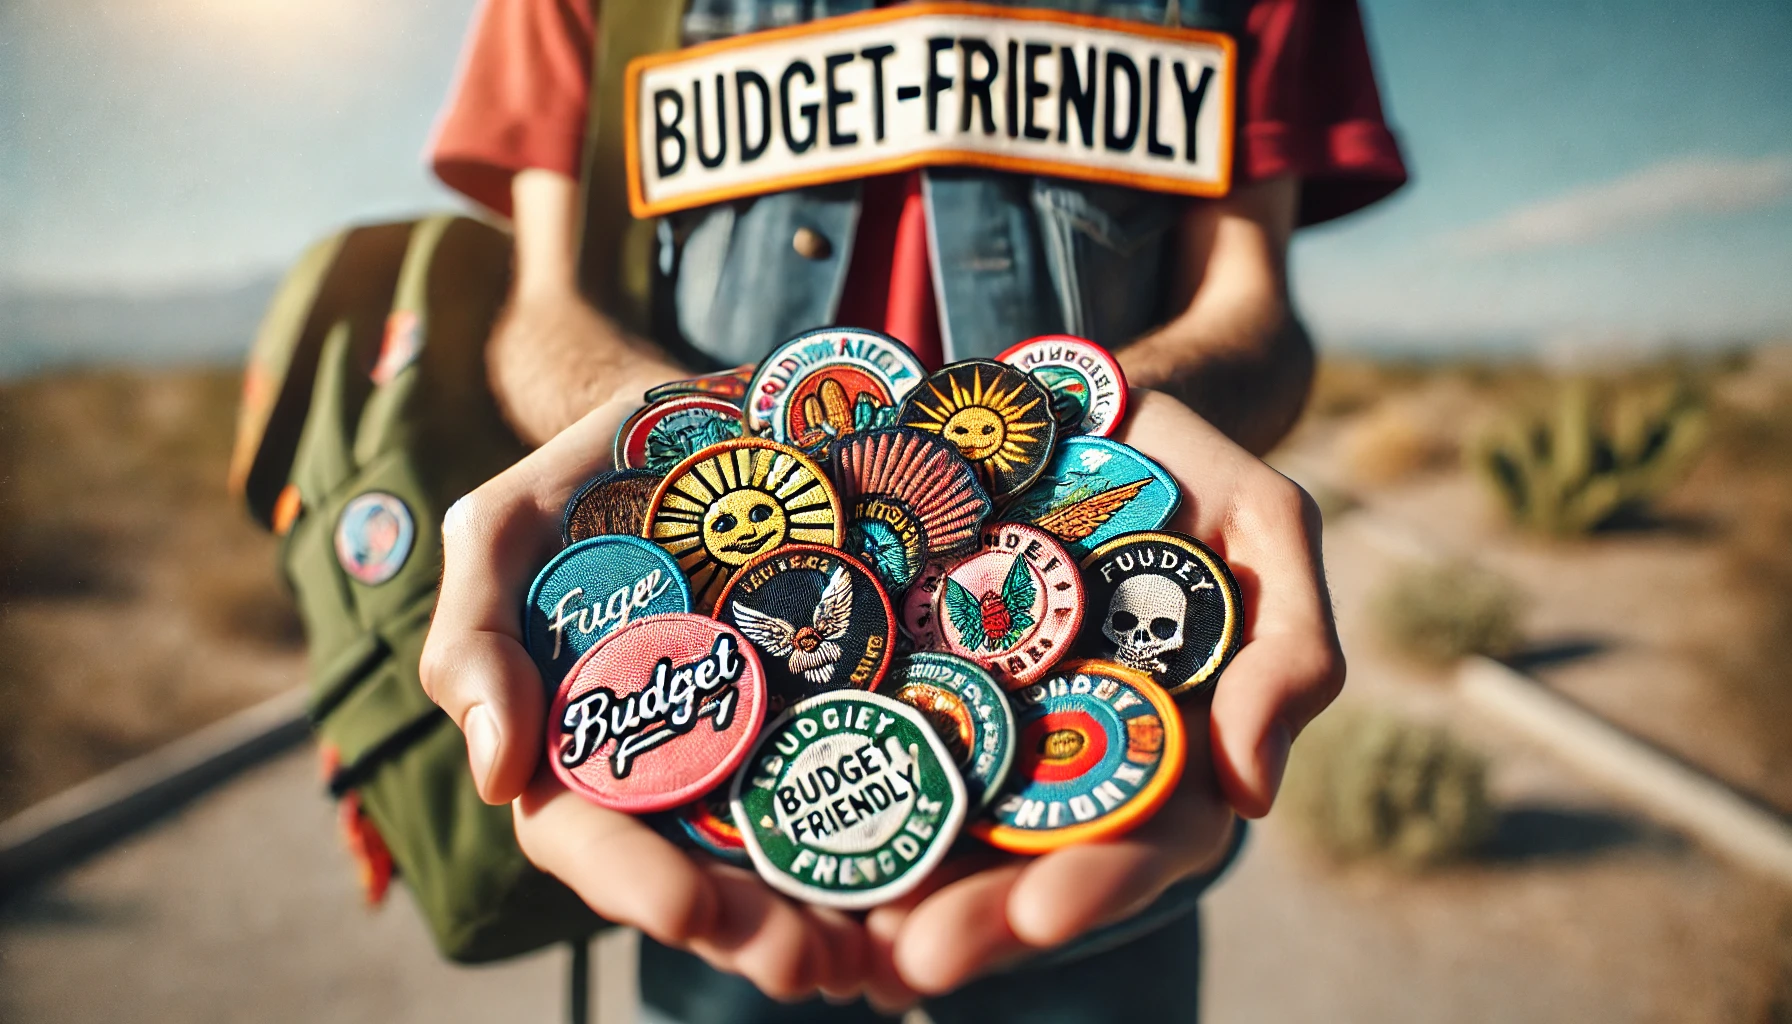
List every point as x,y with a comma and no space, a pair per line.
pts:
657,714
1014,607
916,617
663,434
1100,749
729,384
1095,489
709,824
829,401
910,496
592,589
783,371
1087,387
1164,604
374,536
610,503
965,706
719,509
849,800
818,618
998,418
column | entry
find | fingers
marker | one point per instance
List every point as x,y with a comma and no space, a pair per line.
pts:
959,932
787,951
977,924
885,987
622,869
1290,665
992,918
493,542
846,953
1068,892
1272,689
631,875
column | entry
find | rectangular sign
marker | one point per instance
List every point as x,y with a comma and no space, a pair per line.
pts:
929,85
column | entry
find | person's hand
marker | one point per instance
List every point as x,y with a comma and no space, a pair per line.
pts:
475,667
973,918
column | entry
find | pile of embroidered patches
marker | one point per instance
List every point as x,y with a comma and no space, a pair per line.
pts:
827,613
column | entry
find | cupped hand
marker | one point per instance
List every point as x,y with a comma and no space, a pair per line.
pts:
475,667
1288,669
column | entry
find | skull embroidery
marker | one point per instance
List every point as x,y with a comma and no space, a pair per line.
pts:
1144,622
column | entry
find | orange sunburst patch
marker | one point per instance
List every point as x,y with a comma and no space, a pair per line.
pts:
998,417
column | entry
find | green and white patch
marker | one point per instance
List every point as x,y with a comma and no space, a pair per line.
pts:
849,800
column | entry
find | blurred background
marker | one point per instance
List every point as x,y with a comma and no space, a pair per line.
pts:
1552,437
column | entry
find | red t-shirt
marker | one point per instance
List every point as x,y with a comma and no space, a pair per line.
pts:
1310,108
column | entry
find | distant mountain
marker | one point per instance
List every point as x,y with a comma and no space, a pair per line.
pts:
43,330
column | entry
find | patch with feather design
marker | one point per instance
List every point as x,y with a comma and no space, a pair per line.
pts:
1015,606
818,617
1094,490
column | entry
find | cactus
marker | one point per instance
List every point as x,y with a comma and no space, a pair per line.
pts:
1592,458
1367,784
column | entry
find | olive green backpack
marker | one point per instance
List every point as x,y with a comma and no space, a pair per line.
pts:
367,382
366,391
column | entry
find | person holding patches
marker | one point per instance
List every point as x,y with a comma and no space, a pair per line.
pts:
1191,294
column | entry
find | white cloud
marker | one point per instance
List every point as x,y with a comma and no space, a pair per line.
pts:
1673,188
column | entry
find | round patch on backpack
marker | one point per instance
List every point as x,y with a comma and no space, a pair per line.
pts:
374,536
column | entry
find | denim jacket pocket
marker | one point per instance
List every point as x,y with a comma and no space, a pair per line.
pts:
1107,249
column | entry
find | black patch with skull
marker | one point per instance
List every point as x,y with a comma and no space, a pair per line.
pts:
1161,603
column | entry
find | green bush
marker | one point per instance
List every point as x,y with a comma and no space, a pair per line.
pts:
1593,456
1441,612
1366,784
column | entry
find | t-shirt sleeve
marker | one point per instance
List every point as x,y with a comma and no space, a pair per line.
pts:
519,100
1311,107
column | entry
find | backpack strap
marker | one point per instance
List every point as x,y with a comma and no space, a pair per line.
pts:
616,250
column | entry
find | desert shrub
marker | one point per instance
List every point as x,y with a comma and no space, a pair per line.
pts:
1591,455
1395,440
1344,386
1438,612
1367,784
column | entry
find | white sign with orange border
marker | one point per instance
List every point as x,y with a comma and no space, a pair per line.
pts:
931,85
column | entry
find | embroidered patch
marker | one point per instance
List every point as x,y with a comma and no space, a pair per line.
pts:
374,536
1100,750
657,714
849,800
930,85
399,346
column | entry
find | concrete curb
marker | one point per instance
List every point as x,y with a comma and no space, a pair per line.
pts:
1725,821
91,816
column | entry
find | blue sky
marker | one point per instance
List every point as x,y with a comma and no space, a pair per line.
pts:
1584,170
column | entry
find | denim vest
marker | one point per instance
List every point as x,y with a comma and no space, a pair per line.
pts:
1013,256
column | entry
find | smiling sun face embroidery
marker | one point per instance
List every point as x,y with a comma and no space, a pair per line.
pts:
998,417
722,506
